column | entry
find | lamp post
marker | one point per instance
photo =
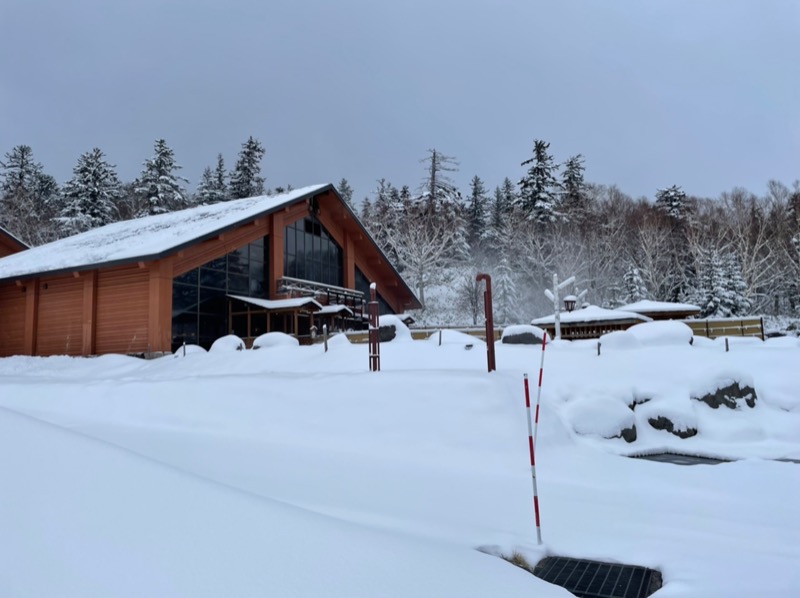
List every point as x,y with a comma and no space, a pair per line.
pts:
569,302
553,296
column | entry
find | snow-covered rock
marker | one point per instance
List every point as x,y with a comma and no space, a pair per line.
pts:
665,332
604,417
522,334
230,342
189,350
393,328
619,339
275,339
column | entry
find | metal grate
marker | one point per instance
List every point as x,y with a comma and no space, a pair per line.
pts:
681,459
593,579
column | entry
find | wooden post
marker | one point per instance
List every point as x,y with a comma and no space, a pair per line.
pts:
487,308
374,330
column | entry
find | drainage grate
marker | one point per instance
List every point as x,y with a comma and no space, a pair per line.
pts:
681,459
593,579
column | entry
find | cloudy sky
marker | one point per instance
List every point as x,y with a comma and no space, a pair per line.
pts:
700,93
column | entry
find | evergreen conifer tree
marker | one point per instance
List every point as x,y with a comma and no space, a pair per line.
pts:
635,289
539,188
90,197
29,197
438,191
246,179
574,200
346,191
476,212
212,187
159,186
672,201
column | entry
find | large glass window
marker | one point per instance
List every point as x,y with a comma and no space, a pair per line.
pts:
310,253
199,302
362,284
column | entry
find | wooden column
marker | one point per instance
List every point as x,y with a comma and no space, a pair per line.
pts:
276,240
159,321
88,316
31,315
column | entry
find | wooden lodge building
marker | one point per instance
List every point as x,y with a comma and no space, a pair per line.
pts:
271,263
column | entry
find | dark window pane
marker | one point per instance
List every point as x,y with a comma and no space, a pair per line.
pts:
184,298
258,324
290,244
213,301
217,264
240,325
189,278
238,260
238,284
212,278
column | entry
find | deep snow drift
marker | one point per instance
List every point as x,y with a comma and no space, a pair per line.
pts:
289,471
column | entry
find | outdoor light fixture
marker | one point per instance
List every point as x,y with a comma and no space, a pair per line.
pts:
569,302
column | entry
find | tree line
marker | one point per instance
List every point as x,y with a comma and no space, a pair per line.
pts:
733,255
36,209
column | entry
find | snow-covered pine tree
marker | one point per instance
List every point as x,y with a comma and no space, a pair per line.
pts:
246,179
735,301
212,187
476,212
159,186
672,201
29,198
346,191
539,188
90,197
574,199
505,292
635,289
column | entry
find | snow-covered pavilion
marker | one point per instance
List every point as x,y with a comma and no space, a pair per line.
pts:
146,286
662,310
589,322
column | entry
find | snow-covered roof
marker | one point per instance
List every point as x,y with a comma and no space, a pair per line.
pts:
335,309
146,238
277,304
13,237
592,313
648,306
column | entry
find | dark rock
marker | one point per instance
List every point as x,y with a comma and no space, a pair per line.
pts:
386,333
523,338
664,423
731,396
629,434
638,401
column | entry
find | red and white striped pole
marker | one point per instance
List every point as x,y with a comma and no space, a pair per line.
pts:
533,430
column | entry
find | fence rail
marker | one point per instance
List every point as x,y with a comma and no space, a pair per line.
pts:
727,327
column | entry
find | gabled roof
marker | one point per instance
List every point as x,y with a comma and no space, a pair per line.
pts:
145,239
13,240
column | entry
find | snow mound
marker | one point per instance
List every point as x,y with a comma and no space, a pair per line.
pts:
401,331
189,350
619,339
338,340
603,417
783,342
275,339
230,342
666,332
739,340
454,337
703,341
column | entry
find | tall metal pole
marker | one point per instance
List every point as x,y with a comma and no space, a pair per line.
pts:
557,305
374,330
487,309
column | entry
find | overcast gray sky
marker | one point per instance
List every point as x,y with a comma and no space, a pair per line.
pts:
704,94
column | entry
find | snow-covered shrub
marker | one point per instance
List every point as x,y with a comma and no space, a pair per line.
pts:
338,340
275,339
668,332
189,350
231,342
604,417
619,339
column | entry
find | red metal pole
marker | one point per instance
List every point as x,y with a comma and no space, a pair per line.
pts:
533,433
374,330
487,310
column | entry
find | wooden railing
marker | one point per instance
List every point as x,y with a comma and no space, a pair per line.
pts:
727,327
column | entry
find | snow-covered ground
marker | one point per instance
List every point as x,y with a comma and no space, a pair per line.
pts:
288,471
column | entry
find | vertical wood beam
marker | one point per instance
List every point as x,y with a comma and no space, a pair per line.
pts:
31,316
276,239
88,316
159,321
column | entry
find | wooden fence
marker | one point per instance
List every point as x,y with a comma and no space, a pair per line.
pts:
727,327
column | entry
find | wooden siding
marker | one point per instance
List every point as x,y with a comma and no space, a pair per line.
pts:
59,329
9,245
12,319
727,327
122,310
